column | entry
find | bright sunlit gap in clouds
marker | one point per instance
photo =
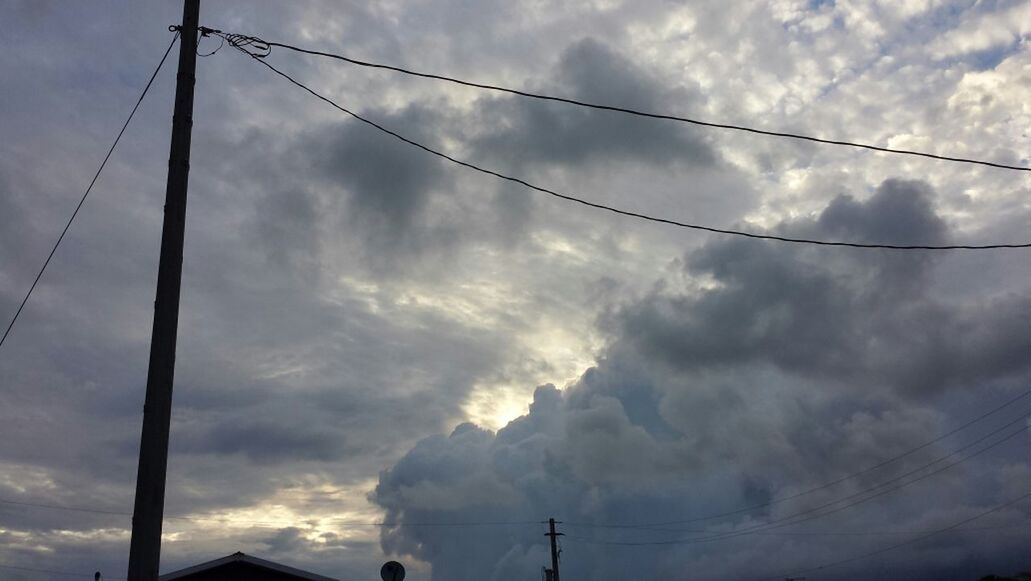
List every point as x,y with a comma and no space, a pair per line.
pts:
351,305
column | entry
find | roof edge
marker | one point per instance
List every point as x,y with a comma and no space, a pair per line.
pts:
242,557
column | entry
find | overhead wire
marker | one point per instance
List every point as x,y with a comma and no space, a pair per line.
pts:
54,572
82,200
223,519
221,43
883,550
788,520
763,529
828,533
825,485
879,490
568,198
879,533
700,227
643,526
954,527
63,507
628,110
819,512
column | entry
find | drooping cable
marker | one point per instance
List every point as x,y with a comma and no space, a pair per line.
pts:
883,550
825,485
957,527
55,572
626,110
222,519
877,491
88,190
613,209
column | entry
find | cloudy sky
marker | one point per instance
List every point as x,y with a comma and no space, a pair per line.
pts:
369,335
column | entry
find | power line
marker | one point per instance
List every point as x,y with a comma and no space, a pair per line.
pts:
814,513
716,535
63,507
826,485
53,572
88,189
643,526
878,533
612,209
880,551
223,519
808,514
761,529
831,533
956,527
267,46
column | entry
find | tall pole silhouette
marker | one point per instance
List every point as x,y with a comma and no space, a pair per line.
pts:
148,510
554,548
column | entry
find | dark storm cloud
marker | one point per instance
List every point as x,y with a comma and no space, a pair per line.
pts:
360,399
286,540
900,212
866,316
351,182
287,228
389,181
406,208
318,340
267,442
521,131
274,369
791,368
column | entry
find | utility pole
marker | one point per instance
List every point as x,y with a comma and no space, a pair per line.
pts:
554,548
145,546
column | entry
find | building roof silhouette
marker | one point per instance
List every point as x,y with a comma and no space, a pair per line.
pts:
241,567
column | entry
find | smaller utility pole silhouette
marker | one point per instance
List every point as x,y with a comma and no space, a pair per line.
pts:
554,549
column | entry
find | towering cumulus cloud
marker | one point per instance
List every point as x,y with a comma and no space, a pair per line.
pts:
757,372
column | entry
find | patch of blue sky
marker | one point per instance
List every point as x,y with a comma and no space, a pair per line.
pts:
990,58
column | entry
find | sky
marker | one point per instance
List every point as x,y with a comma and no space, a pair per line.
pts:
371,335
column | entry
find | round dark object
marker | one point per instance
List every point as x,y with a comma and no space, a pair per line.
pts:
392,571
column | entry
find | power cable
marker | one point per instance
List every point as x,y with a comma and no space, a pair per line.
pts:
830,533
820,487
716,535
953,527
63,507
88,189
642,526
809,514
223,519
268,46
221,43
612,209
880,551
53,572
814,513
205,31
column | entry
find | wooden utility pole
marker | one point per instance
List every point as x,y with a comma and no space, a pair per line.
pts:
554,547
145,546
